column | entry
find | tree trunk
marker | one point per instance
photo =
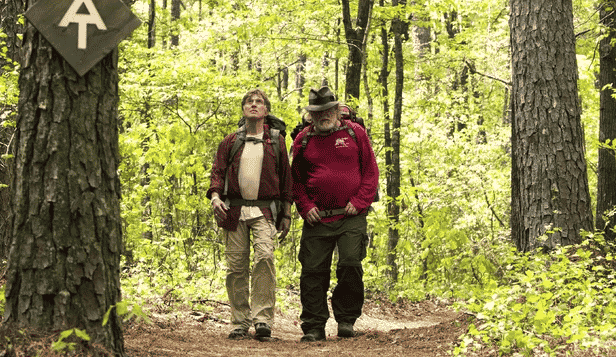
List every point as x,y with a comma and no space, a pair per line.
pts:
9,14
606,178
549,179
9,11
393,174
300,80
64,262
164,36
152,24
175,17
355,37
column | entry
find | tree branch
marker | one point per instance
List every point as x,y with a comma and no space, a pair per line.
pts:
471,67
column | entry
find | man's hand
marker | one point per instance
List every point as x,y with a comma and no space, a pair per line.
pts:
219,208
312,216
285,225
350,210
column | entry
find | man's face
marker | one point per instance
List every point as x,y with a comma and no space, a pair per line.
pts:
326,120
255,108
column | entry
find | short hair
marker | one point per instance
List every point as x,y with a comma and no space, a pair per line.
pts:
260,93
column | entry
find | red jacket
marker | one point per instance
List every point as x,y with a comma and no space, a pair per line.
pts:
333,170
275,181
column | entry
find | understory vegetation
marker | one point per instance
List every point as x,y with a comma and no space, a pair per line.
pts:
177,104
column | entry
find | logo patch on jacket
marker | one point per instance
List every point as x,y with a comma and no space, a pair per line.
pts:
342,143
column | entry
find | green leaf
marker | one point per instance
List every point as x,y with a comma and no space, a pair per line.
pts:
82,334
64,334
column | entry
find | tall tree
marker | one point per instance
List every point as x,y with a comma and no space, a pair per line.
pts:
64,261
9,25
606,170
393,172
355,36
152,24
383,82
300,79
175,18
550,194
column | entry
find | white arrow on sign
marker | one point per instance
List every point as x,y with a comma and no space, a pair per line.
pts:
82,20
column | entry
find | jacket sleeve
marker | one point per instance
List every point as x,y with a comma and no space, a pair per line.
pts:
299,170
369,170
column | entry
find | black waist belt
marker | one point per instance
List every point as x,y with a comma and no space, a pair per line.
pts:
332,212
251,203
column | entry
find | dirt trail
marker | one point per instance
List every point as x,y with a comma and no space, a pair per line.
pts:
385,329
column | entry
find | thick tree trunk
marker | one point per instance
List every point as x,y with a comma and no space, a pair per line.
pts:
64,261
606,179
549,179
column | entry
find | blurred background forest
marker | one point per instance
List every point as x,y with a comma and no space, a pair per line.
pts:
442,137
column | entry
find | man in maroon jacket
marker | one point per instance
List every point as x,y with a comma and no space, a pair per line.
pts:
335,178
244,189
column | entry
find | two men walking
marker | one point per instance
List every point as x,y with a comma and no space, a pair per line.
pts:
334,181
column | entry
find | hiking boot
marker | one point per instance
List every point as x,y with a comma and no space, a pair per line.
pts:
345,329
237,334
313,335
262,330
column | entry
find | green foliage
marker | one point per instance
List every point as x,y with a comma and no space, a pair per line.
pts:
127,310
61,346
547,302
2,300
177,104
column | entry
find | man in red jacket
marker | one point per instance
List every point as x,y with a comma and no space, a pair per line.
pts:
335,178
245,183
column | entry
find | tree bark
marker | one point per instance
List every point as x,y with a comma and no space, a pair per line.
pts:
355,37
9,11
175,17
393,174
300,79
152,24
64,261
606,178
549,176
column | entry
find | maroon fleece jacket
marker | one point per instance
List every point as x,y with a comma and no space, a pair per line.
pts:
333,170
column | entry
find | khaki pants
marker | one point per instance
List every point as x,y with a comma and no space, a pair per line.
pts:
262,289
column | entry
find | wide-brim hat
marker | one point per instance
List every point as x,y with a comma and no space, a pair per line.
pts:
320,100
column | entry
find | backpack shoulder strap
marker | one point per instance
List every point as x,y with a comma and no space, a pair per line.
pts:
275,137
307,136
350,131
240,139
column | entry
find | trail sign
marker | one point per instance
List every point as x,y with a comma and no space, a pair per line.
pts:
83,31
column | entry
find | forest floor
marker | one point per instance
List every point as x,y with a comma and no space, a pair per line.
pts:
428,328
424,329
403,329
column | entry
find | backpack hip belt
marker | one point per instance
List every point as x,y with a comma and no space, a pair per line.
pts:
331,212
251,203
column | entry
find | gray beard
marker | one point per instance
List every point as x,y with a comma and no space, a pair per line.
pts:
326,129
